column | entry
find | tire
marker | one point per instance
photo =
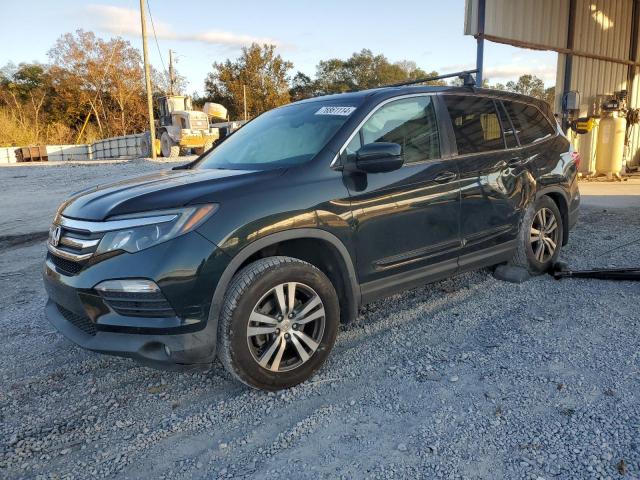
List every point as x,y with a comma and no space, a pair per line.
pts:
528,254
145,145
259,359
168,147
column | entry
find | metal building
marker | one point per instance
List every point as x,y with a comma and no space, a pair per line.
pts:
597,45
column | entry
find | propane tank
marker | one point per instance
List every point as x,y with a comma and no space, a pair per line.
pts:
610,148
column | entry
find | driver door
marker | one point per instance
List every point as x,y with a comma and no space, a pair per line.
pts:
406,221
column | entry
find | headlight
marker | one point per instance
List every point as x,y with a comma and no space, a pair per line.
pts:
145,230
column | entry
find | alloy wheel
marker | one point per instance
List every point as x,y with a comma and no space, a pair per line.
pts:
286,326
544,235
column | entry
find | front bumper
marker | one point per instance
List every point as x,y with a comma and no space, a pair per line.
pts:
195,140
186,269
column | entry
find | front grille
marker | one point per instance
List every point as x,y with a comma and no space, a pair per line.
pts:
64,266
151,304
71,248
199,124
81,322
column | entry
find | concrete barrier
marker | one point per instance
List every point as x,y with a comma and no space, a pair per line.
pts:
127,146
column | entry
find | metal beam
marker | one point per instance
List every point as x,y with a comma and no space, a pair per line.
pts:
575,53
633,47
480,42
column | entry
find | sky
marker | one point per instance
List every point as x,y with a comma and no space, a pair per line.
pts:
429,32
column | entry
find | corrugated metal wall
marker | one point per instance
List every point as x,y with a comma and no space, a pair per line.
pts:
602,27
542,22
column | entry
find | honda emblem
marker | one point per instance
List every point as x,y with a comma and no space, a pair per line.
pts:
55,235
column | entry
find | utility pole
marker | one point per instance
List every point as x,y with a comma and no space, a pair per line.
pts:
171,80
147,77
244,99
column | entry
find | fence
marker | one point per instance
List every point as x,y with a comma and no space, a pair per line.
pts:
124,147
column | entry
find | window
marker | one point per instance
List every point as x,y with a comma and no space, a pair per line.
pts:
475,123
410,122
530,123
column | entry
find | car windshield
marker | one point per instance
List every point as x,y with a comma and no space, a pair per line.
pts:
285,136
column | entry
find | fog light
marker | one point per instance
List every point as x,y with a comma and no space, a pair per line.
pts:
167,350
132,285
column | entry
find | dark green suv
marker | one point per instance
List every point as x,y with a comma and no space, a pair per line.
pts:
256,251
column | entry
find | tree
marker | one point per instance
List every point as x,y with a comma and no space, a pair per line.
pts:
302,87
261,71
365,70
527,85
101,77
25,89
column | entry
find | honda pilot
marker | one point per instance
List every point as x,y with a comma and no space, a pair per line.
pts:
255,252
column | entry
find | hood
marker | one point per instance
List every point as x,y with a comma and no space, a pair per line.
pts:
159,191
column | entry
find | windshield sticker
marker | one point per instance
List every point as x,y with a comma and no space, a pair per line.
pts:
342,111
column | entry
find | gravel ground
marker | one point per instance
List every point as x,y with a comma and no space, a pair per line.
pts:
466,378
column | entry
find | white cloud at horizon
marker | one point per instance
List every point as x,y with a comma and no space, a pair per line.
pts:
126,21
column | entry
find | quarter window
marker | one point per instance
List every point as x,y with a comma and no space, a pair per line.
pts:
410,122
475,123
530,123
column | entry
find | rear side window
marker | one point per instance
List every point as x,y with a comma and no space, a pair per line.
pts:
530,123
475,123
410,122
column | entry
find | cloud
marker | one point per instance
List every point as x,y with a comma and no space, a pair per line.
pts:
126,21
545,72
511,71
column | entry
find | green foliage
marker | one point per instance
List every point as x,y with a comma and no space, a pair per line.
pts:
365,70
530,85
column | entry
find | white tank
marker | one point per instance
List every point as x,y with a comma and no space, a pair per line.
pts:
215,110
610,149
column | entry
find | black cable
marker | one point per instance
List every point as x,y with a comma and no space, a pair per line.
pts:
153,27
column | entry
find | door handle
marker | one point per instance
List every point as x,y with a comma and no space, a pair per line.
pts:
445,177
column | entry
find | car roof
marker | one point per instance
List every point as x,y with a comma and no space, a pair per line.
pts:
383,93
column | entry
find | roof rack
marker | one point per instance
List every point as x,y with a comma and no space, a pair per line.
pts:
465,75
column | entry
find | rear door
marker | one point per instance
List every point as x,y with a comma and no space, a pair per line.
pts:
405,220
492,179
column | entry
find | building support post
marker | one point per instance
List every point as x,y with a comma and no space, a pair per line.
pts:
631,157
568,61
480,43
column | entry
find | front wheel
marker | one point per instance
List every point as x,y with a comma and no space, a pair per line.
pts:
278,323
540,237
168,147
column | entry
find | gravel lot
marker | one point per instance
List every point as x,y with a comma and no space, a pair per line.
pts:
466,378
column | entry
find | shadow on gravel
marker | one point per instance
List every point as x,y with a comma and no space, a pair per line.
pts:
23,240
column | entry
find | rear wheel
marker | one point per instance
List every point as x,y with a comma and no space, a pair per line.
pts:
540,237
145,145
278,323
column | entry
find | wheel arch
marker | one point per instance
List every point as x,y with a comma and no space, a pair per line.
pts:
341,272
561,199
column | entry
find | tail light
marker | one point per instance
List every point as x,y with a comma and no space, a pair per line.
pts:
577,159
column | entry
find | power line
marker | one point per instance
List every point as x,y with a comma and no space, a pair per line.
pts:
153,27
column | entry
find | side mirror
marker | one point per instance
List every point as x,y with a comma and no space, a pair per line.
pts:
379,157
